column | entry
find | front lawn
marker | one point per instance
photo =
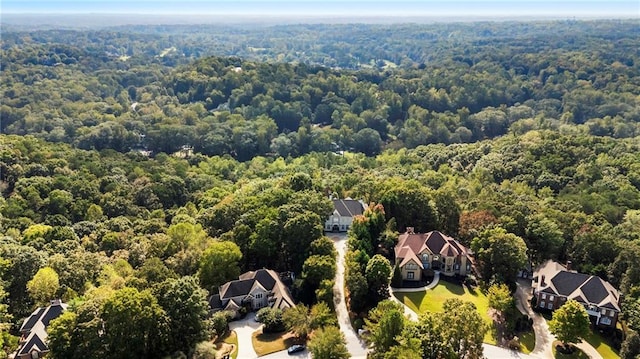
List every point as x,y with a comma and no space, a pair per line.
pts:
433,300
267,343
601,345
527,341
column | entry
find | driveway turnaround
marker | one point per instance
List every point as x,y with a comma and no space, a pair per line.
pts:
244,329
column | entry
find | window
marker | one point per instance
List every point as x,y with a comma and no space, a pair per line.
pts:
551,297
457,266
410,275
411,266
542,304
258,296
425,257
550,306
603,311
605,320
468,266
544,296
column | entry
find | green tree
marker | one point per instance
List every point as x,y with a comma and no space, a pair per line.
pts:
44,285
77,332
500,255
463,329
378,274
385,323
134,325
323,246
61,337
396,278
302,320
367,141
324,293
630,346
219,264
543,237
570,322
411,204
500,298
271,318
318,268
186,307
5,317
423,339
298,321
328,343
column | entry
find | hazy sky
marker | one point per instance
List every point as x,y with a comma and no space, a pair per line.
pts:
562,8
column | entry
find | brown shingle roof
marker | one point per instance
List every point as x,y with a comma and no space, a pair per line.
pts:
435,242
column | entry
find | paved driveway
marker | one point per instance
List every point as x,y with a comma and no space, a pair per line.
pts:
357,348
283,354
244,328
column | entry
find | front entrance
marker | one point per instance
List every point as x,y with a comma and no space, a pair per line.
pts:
335,228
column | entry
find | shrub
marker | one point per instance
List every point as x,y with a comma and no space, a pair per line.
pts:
272,320
220,322
204,350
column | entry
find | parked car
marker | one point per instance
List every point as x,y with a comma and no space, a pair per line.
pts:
295,349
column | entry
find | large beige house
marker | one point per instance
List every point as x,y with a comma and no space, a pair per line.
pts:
554,284
33,332
253,290
344,210
417,252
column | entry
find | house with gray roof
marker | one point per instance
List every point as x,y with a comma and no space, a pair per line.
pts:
253,290
344,210
33,332
553,284
416,253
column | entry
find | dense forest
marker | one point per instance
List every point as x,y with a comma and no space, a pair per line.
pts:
145,166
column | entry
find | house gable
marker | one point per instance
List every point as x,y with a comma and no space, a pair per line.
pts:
256,287
348,207
441,250
34,329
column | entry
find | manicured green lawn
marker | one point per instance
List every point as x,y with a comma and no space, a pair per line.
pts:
527,341
267,343
598,342
433,299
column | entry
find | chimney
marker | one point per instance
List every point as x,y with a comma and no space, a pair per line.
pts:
55,302
569,266
410,230
542,283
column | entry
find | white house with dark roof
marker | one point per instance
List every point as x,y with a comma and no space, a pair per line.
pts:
344,210
254,290
33,332
554,284
417,252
